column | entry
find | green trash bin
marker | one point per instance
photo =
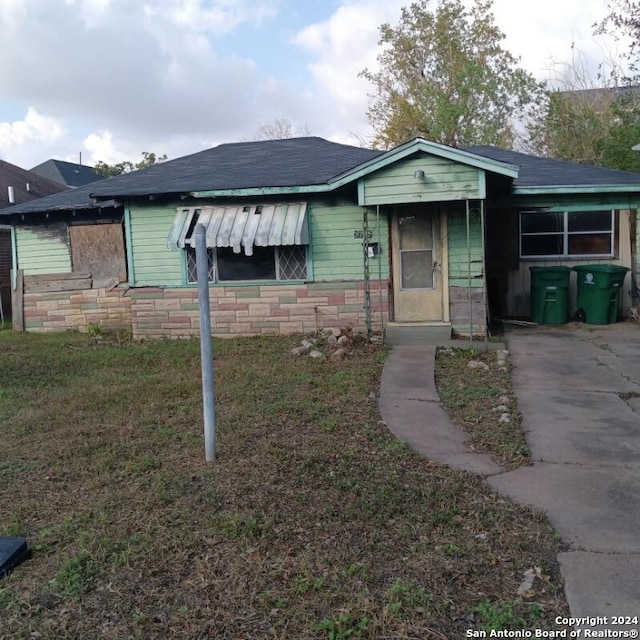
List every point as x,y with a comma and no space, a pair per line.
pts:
550,294
599,288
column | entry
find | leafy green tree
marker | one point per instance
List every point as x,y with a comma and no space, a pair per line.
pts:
443,75
591,126
591,117
110,170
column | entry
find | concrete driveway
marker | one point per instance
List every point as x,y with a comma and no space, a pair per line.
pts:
578,389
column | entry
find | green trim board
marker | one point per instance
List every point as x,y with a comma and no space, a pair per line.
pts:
581,189
568,203
431,148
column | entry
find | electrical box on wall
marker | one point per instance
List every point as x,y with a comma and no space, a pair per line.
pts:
373,249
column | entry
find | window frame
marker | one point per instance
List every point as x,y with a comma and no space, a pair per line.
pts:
566,234
212,256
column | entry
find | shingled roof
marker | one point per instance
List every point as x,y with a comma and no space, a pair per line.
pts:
26,185
244,165
71,174
300,162
69,200
546,173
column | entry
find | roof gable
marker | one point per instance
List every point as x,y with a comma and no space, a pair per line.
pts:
419,145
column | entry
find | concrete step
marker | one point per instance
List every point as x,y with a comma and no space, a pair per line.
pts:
413,333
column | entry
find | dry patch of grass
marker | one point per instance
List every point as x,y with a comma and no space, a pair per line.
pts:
477,398
313,522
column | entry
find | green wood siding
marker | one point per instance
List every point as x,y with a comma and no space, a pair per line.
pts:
336,253
444,180
459,251
153,263
43,249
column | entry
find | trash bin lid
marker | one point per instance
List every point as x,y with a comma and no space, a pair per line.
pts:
601,268
559,268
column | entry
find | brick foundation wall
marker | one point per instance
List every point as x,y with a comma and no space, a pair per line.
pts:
62,310
153,312
252,310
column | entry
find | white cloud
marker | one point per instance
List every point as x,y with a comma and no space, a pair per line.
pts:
34,128
548,32
143,70
218,17
342,47
119,77
101,146
21,138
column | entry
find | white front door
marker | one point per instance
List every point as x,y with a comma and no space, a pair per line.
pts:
418,273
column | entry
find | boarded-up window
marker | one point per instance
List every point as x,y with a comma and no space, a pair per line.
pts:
98,249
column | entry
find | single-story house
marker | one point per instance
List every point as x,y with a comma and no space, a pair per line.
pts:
305,234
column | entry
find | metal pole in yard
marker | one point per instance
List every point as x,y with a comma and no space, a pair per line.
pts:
206,343
469,273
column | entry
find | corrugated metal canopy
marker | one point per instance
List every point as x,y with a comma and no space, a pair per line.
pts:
242,226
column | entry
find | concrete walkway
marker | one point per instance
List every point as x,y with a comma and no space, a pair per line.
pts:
410,407
575,387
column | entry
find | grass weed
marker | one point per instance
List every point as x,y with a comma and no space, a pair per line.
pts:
312,522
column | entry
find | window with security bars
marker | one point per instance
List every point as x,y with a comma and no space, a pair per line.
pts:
267,263
192,271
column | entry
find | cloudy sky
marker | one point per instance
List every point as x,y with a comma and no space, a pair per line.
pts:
112,78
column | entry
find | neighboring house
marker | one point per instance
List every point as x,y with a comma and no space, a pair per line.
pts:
70,174
16,186
305,234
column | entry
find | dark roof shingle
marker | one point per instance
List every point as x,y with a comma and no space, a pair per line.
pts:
244,165
68,173
26,185
547,172
69,200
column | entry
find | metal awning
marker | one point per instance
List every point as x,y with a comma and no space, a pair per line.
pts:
242,227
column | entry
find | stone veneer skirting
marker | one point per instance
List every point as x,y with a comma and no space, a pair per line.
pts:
242,310
62,310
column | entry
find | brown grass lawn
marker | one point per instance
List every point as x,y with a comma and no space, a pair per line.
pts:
313,522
